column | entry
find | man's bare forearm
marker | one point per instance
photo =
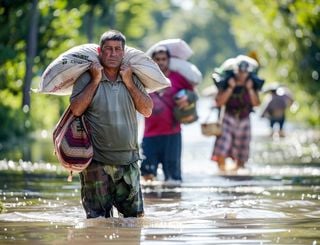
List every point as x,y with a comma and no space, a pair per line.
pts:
81,102
223,96
142,102
254,98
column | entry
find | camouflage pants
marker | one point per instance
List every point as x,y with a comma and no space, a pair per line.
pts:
105,186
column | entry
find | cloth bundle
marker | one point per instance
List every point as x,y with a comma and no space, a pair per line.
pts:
72,143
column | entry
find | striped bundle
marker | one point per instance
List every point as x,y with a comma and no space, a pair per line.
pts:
72,143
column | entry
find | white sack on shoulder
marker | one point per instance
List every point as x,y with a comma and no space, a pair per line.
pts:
188,70
146,69
61,74
177,47
59,77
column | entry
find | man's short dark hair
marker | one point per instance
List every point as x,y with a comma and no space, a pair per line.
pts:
160,49
243,66
112,35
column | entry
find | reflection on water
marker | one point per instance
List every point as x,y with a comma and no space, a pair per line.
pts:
220,210
275,200
29,150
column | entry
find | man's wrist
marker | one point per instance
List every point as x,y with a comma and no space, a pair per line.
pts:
95,81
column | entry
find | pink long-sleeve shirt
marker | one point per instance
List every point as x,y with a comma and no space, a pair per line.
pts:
162,121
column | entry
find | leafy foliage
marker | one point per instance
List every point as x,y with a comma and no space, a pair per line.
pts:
286,38
1,207
284,35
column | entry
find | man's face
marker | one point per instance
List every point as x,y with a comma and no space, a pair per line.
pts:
162,60
242,75
111,54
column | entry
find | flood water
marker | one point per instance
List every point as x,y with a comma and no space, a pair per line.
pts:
275,200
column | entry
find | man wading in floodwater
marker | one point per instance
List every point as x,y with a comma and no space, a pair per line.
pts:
109,96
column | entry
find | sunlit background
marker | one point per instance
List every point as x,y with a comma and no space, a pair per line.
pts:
282,35
274,201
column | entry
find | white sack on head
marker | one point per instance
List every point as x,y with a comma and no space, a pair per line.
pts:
228,65
188,70
178,48
232,64
59,77
253,64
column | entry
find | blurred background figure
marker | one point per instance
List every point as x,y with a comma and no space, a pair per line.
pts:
162,141
238,88
278,100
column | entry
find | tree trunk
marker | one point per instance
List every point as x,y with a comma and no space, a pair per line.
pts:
30,52
90,23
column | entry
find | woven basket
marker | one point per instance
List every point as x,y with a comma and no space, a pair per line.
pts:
211,129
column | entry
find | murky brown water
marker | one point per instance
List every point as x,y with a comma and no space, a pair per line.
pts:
276,200
204,210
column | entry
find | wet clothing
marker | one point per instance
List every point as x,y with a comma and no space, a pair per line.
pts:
236,128
162,132
235,139
112,119
104,186
164,149
112,178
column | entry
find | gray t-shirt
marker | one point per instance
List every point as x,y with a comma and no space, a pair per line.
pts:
113,120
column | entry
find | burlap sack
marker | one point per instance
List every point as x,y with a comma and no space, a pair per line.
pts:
146,69
188,70
178,48
253,64
180,51
232,64
59,77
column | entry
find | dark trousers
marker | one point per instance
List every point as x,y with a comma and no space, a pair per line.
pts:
280,121
164,149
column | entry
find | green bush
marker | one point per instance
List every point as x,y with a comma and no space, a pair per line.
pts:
1,207
14,123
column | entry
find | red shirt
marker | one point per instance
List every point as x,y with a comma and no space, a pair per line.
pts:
161,121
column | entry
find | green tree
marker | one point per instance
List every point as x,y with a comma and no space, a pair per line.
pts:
34,33
204,25
31,49
20,63
286,37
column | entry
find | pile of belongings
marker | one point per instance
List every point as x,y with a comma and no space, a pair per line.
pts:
230,67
